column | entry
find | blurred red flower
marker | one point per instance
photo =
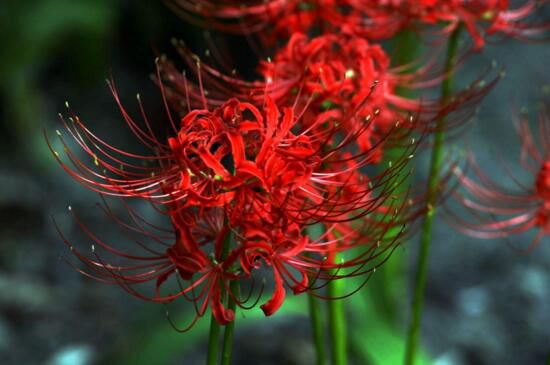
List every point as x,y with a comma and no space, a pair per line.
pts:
381,19
494,210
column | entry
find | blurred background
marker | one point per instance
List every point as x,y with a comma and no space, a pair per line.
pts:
485,304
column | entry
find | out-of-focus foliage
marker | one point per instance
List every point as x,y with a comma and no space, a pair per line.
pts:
163,345
374,340
35,35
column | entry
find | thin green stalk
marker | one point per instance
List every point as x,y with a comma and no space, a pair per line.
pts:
433,187
214,337
213,340
315,312
337,322
407,48
317,329
230,327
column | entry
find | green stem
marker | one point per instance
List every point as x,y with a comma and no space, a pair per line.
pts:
387,287
337,322
433,189
214,338
212,356
407,48
317,329
315,312
230,327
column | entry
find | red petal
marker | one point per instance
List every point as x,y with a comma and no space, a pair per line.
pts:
222,315
278,296
237,147
214,164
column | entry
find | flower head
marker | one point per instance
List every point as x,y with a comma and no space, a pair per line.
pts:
231,154
248,16
241,185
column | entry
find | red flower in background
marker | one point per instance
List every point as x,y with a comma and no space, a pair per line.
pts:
495,211
271,20
481,18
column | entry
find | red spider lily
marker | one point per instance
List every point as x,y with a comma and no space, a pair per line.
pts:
231,155
193,255
259,175
381,19
337,70
495,211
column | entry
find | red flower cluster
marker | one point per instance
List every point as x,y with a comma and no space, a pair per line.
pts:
241,185
252,167
494,211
